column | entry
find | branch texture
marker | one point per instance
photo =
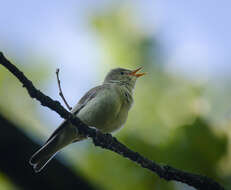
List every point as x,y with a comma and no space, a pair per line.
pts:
107,141
61,92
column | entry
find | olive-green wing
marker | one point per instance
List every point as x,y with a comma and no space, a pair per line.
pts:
91,94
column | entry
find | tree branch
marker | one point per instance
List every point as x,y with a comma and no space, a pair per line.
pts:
60,90
107,141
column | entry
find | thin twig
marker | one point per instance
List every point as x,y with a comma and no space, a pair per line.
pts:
60,90
109,142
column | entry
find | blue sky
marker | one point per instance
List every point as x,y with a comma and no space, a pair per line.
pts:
199,31
194,34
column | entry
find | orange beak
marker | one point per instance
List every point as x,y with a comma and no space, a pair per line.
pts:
134,73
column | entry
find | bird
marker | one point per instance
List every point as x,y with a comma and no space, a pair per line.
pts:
104,107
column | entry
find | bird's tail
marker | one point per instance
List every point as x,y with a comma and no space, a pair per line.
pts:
44,155
58,140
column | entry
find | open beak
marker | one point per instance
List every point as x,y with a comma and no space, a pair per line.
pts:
134,73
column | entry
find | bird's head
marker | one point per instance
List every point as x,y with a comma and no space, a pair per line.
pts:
123,76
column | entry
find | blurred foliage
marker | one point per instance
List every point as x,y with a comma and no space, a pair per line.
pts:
15,103
166,123
6,184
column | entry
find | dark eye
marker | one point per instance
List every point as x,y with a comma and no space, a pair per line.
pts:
121,73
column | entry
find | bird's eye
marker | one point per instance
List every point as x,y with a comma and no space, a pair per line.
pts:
121,73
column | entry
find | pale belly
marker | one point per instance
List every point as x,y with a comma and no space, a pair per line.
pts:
106,113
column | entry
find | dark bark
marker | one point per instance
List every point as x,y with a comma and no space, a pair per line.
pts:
111,143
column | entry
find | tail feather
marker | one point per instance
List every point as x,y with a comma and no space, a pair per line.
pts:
42,152
44,155
47,152
58,140
42,163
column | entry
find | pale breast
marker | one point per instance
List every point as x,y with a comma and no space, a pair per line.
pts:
102,111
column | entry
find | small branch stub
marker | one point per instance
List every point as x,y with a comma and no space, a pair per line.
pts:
60,91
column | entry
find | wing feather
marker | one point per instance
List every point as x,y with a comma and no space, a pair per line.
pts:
91,94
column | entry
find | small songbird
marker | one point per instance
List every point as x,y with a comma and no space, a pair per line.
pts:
104,107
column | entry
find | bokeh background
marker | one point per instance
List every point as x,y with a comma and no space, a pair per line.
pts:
182,113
